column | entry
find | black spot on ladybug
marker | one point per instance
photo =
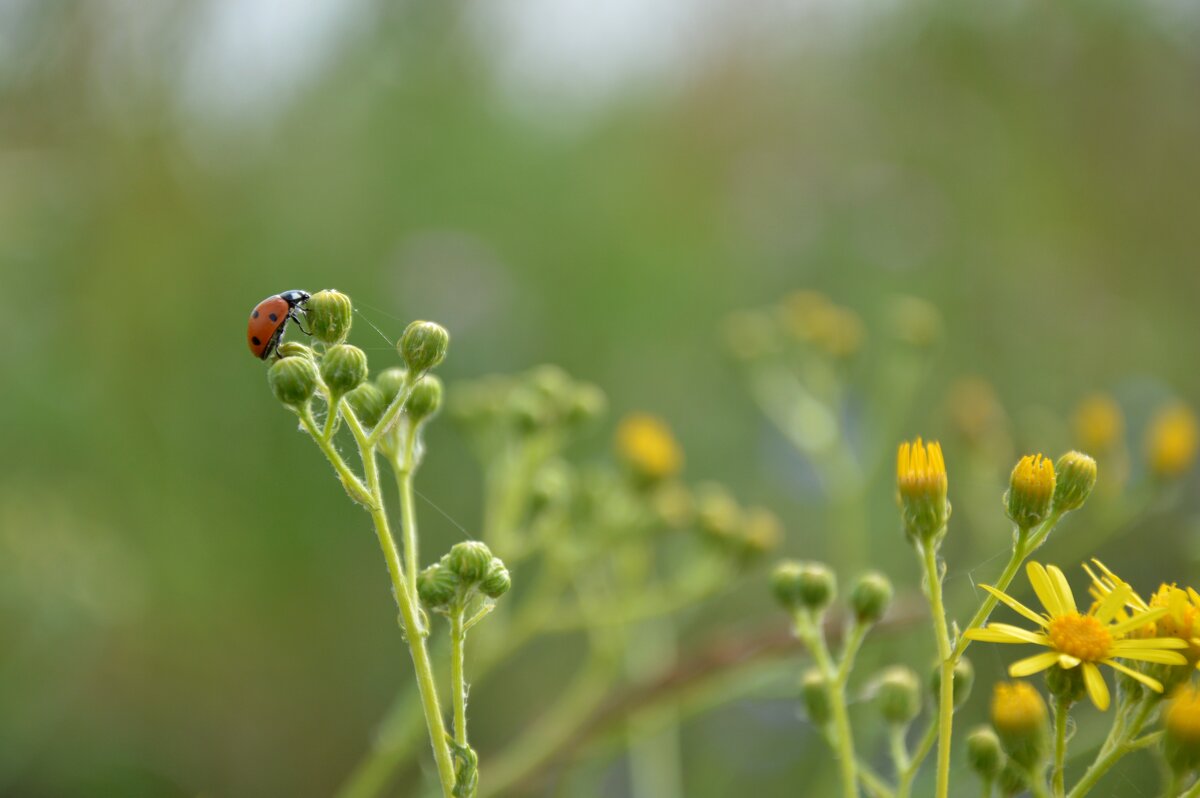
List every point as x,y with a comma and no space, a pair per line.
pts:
273,317
255,316
255,341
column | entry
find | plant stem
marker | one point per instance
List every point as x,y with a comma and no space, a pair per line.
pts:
1114,748
1193,792
458,684
985,788
808,629
904,786
933,584
410,620
897,747
403,465
1062,709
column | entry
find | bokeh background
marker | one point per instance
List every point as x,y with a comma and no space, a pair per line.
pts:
189,606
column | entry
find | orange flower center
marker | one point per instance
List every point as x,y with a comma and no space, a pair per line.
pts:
1080,636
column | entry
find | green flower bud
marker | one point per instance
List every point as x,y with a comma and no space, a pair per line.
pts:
496,581
295,349
964,680
368,404
1075,479
1065,683
717,513
425,399
899,695
550,485
983,753
329,315
344,368
587,404
870,596
424,345
1020,718
470,560
761,532
551,382
1031,488
814,693
803,585
390,382
437,586
293,379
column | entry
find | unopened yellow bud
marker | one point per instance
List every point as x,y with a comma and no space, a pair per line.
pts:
1181,724
983,754
899,695
1030,490
922,485
645,444
329,316
1019,717
1172,440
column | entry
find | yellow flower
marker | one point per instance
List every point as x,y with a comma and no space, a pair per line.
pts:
1098,423
1182,605
1172,440
922,484
1182,718
1081,640
646,445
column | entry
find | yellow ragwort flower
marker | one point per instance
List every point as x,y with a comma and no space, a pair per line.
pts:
1081,640
1182,605
1098,423
646,445
922,486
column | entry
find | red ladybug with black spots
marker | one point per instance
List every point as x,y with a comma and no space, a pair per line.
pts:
269,319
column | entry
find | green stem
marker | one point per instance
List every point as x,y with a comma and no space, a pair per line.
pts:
985,788
872,783
1062,709
1036,785
808,630
933,581
393,411
410,620
458,684
403,465
904,785
1193,792
897,747
350,480
1114,748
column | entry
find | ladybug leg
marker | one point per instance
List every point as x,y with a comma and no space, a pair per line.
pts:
296,314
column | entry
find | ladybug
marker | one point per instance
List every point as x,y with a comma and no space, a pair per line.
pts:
270,317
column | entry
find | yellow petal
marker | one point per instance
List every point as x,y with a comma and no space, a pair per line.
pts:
990,634
1096,687
1044,589
1150,642
1112,604
1136,621
1024,635
1015,605
1034,664
1153,684
1152,655
1067,661
1062,588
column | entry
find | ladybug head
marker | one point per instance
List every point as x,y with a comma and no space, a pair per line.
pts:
294,298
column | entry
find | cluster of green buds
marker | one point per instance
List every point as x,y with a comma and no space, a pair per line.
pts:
811,587
544,399
468,570
745,534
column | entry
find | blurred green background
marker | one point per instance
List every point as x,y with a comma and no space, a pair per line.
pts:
188,603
